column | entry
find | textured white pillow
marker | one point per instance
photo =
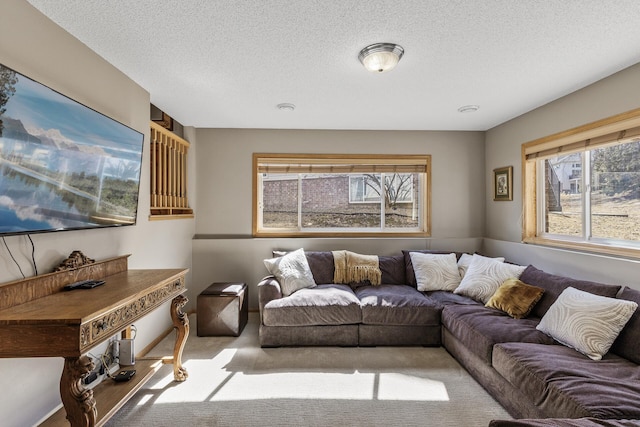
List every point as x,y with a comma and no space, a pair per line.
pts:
292,271
484,277
586,322
435,272
465,261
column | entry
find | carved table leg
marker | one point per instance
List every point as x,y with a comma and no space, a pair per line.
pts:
181,324
78,401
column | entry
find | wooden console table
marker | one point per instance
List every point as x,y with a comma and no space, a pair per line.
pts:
39,319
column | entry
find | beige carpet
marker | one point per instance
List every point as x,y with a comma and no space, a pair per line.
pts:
234,382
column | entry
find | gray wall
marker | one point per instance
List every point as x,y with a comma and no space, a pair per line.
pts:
462,212
224,249
36,47
610,96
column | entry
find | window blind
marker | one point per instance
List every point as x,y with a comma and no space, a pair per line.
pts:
620,129
343,164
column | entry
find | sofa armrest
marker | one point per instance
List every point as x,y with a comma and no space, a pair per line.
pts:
268,290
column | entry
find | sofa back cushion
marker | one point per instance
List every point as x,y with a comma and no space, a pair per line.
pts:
554,285
627,344
322,267
408,265
393,270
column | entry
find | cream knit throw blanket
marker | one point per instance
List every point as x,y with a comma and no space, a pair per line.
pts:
351,267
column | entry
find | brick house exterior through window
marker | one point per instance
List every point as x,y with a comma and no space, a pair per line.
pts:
355,195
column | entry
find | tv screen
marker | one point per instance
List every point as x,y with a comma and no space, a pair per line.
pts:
63,166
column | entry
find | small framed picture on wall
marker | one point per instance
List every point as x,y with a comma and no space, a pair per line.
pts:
503,184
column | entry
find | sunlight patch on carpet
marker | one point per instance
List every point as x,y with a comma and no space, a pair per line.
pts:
205,377
144,399
297,385
213,380
395,386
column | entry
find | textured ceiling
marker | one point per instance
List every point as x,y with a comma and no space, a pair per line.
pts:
213,63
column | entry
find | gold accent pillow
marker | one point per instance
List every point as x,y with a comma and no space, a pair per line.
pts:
515,298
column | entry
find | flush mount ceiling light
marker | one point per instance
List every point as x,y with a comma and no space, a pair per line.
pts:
468,109
286,106
380,57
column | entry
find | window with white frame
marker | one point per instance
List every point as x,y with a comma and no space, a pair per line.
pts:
360,195
582,187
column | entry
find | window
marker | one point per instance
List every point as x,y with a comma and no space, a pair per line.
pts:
358,195
582,187
168,175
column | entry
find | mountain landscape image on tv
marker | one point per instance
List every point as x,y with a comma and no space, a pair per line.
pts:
63,166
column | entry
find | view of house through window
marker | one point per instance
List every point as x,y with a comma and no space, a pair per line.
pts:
341,194
367,188
582,187
595,194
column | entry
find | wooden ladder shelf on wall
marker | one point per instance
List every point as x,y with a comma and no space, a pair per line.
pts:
39,319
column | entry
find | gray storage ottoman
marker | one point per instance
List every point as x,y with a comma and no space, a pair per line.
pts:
222,309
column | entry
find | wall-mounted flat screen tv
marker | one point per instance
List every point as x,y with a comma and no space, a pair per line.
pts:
63,166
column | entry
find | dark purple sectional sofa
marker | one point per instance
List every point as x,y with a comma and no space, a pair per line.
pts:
529,373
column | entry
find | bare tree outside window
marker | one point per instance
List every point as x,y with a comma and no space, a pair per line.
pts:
397,188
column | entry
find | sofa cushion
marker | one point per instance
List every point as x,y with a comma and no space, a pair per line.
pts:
587,322
435,272
565,383
554,285
465,260
484,276
398,335
323,305
479,328
292,271
397,305
393,270
627,344
515,298
447,298
321,265
408,265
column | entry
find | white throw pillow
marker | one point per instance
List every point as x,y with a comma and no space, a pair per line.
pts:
484,277
292,271
586,322
435,272
465,261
